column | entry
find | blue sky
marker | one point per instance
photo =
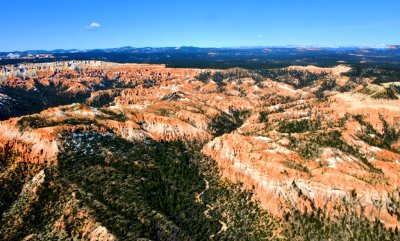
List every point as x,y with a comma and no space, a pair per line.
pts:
87,24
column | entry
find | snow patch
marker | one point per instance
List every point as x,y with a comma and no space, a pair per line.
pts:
262,138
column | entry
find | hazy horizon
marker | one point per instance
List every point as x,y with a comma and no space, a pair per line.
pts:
216,47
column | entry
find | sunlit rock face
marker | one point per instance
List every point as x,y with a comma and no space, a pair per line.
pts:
298,137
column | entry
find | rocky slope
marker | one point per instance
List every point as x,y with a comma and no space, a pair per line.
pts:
303,139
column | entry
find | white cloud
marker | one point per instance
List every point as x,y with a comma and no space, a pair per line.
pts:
259,36
93,26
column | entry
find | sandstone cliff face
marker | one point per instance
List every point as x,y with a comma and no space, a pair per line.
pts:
32,146
300,147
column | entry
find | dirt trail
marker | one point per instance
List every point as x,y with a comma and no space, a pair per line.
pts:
224,226
198,196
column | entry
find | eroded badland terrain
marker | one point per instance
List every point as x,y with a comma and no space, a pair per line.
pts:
103,151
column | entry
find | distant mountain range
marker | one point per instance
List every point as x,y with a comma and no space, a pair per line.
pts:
188,49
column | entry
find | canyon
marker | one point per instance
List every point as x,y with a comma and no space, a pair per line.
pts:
300,138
